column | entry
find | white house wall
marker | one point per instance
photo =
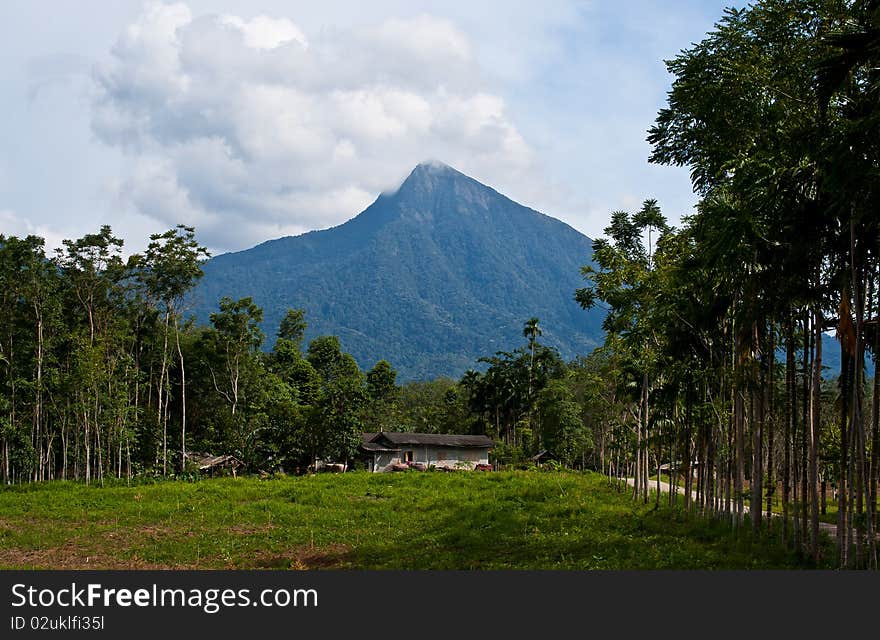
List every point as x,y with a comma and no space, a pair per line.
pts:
452,457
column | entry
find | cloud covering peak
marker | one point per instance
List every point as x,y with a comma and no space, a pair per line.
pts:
249,128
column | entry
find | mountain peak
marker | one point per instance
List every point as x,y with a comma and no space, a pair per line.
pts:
433,177
434,166
431,277
431,170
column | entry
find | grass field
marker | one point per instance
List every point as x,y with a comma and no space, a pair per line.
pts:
509,520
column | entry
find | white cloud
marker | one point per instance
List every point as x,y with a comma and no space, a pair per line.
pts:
424,36
248,129
14,225
264,32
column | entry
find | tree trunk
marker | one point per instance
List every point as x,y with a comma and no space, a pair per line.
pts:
790,413
769,395
686,449
842,484
866,524
815,416
87,443
739,431
805,421
645,437
182,400
162,411
875,406
38,399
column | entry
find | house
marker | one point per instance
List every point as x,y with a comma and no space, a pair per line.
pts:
384,450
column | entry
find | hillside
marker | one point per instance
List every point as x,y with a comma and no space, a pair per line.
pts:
429,277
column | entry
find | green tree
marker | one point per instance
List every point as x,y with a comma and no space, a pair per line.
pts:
336,416
92,270
293,326
562,429
532,331
382,393
626,283
237,338
169,269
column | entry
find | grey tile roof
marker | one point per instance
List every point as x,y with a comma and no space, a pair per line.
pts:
433,439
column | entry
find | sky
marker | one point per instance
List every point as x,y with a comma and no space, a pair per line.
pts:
256,119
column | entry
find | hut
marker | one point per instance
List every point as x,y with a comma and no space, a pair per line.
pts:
213,465
388,450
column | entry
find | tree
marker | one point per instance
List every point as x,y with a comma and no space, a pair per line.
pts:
532,331
336,417
562,429
627,284
381,382
31,301
293,326
169,269
237,337
382,393
92,269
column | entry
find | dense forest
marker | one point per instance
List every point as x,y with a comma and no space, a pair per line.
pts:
713,333
105,376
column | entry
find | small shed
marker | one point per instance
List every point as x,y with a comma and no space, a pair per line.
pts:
384,450
207,463
677,466
543,456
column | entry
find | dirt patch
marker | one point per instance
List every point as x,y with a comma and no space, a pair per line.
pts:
125,537
90,551
304,558
71,556
250,529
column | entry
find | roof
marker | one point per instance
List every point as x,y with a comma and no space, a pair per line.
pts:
678,464
375,447
207,461
433,439
367,444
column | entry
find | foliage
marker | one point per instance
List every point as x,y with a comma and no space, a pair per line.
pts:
714,341
102,372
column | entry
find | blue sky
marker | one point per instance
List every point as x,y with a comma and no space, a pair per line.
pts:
252,120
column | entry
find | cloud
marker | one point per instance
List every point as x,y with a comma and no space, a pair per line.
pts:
12,224
250,128
263,32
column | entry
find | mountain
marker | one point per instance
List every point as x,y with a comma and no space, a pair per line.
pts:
430,277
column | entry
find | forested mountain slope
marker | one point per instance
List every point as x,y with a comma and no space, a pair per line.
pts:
430,277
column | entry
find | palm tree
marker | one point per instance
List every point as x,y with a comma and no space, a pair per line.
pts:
531,330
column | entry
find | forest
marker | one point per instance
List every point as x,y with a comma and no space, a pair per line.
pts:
106,376
710,378
714,330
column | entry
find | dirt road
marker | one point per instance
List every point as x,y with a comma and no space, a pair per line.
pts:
830,529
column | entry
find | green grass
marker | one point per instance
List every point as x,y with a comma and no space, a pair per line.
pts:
509,520
829,517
